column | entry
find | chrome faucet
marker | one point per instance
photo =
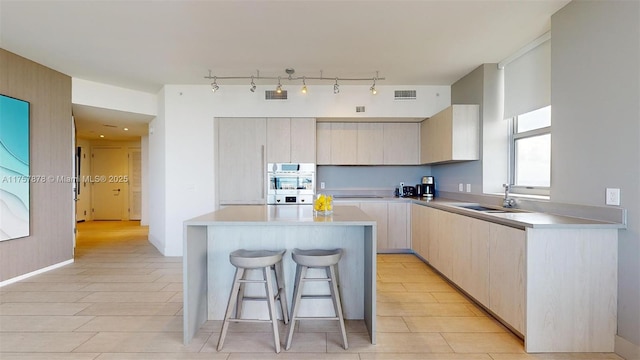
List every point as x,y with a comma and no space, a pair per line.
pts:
507,202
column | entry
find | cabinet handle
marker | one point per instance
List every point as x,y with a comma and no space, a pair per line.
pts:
264,184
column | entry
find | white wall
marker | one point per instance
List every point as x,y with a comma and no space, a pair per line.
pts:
595,111
181,148
99,95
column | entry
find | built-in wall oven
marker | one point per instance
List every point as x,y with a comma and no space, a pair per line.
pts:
291,184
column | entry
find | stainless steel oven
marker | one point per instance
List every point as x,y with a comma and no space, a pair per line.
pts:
291,184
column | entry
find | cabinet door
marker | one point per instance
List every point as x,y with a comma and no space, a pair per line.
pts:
278,140
370,147
323,143
303,140
471,256
424,142
420,230
444,238
507,275
398,227
401,143
241,161
378,211
344,143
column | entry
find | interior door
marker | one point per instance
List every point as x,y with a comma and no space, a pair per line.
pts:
108,177
135,184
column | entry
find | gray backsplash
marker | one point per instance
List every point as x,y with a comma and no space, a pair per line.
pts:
369,178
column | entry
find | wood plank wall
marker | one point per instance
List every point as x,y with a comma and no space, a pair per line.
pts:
51,204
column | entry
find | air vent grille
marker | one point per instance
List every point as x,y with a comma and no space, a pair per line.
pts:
359,109
405,95
273,95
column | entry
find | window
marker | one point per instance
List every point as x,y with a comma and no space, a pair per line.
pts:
530,153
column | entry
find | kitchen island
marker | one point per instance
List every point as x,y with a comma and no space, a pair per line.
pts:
208,240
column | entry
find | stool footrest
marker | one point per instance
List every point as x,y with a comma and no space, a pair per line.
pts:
317,318
316,296
249,320
252,281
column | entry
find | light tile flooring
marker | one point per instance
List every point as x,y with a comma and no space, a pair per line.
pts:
121,299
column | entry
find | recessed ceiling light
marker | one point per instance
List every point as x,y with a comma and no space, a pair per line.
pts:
101,135
126,129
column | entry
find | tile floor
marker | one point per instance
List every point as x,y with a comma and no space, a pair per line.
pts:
121,299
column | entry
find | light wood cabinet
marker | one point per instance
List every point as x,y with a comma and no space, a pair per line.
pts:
323,143
398,226
451,135
507,274
291,140
380,212
344,143
470,239
241,162
370,144
419,230
401,143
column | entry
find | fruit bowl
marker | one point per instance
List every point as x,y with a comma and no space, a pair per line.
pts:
323,205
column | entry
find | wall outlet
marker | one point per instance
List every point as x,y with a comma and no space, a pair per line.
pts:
460,187
468,187
322,185
612,196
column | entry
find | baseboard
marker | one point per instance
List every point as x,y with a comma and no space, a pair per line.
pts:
33,273
627,349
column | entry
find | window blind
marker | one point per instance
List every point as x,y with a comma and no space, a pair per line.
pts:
527,81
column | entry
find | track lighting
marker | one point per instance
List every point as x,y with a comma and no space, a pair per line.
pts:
214,85
289,77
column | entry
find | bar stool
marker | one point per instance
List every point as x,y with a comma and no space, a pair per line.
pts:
327,259
256,259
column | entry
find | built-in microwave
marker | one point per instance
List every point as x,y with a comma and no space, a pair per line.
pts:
291,183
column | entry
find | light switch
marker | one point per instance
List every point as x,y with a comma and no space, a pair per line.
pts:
460,187
468,187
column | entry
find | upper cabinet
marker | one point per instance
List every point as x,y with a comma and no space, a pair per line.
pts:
451,135
345,143
291,140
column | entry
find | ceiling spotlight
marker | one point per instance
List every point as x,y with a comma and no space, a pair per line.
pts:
253,85
336,87
126,129
304,86
214,85
279,87
373,88
101,135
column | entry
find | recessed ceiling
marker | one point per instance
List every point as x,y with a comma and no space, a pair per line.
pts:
143,45
91,122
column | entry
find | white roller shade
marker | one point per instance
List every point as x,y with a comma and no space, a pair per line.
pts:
527,81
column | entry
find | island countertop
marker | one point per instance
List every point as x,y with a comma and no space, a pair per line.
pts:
247,215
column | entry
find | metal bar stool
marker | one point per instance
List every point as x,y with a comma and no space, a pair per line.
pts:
256,259
327,259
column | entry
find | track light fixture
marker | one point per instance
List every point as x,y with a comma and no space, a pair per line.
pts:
214,85
290,77
253,85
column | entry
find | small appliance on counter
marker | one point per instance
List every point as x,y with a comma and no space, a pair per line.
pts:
408,191
427,188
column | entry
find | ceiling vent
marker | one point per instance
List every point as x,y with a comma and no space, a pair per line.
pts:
359,109
273,95
405,95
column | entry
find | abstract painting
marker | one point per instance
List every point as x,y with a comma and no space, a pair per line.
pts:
14,168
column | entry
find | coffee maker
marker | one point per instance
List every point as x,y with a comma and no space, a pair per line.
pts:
427,188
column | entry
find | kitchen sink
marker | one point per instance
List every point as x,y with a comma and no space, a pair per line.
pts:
478,207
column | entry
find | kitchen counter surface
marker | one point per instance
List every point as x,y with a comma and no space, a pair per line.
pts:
298,215
516,218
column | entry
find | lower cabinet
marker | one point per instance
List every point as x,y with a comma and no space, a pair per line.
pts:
393,223
555,286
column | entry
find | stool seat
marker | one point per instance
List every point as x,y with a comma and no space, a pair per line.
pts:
253,259
316,257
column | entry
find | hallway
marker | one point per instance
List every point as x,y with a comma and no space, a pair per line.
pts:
122,299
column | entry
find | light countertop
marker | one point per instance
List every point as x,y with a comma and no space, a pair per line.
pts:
516,218
281,215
